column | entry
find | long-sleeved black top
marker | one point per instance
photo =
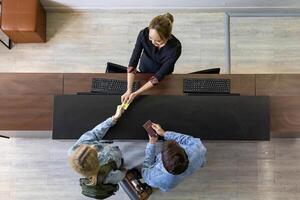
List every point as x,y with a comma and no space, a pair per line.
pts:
160,62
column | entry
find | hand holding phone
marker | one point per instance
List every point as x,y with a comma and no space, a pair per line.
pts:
148,127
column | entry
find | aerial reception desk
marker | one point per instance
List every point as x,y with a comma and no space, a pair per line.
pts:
26,99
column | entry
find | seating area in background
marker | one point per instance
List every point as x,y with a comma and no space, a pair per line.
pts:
23,21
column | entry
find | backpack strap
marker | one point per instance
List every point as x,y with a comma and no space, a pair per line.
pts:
105,170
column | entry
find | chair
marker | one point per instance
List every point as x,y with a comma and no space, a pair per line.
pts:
208,71
24,21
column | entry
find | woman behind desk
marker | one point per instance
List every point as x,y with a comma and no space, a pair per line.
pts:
158,50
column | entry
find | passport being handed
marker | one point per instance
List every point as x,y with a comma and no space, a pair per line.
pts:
148,127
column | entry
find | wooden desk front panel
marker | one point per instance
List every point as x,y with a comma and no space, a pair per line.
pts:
285,116
278,84
30,83
284,90
26,100
26,112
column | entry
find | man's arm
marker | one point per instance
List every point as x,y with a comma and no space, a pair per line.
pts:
150,174
153,177
150,155
180,138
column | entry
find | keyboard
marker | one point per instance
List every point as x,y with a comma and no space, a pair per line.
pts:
111,86
218,86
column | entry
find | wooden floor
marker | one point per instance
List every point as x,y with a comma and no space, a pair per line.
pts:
86,41
37,169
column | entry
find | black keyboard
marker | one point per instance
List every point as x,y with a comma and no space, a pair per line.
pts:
111,86
218,86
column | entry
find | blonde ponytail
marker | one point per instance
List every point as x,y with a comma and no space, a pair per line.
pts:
84,160
163,25
169,16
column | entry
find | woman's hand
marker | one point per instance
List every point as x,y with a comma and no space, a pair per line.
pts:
152,140
125,96
132,97
118,113
158,129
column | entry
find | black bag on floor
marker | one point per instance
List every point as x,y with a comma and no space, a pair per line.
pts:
100,190
134,186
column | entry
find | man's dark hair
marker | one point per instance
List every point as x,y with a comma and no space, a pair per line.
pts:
174,157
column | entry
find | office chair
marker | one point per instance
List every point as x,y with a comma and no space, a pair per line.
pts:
115,68
208,71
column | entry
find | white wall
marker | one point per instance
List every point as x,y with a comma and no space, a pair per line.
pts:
204,4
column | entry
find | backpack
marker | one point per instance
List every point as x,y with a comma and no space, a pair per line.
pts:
100,190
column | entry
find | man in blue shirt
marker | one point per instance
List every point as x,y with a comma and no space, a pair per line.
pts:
181,156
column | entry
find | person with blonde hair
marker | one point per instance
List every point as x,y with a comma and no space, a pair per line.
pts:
156,50
90,156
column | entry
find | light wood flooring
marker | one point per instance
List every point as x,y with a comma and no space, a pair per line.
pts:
36,169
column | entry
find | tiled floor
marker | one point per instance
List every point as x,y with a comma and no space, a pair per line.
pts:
36,169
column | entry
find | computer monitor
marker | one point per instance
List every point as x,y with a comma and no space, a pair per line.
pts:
208,71
115,68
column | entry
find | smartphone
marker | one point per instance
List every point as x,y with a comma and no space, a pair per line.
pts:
149,129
